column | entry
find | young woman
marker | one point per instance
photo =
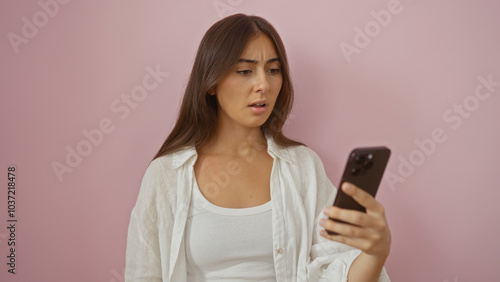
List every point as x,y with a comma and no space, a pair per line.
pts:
229,198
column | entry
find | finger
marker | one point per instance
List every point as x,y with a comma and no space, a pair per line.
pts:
361,196
349,216
343,229
358,243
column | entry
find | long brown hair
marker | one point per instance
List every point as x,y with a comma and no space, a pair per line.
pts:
218,52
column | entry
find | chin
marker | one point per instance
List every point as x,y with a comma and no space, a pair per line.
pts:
259,123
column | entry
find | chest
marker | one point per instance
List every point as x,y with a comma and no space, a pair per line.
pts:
227,244
234,182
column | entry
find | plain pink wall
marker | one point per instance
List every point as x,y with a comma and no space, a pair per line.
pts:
358,82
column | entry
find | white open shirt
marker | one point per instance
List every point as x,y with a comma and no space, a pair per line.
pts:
300,190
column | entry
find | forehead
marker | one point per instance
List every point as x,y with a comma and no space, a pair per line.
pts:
259,48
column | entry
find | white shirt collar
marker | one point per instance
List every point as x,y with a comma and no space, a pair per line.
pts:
183,156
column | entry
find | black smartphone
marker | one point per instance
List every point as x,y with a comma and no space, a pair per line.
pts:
365,168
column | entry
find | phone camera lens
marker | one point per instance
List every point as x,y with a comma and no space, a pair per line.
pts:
355,171
368,164
359,159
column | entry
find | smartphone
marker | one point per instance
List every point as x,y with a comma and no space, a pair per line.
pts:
365,168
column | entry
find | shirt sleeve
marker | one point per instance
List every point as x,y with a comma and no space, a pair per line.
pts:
143,261
329,260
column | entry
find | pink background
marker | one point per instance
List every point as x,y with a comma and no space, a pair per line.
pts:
395,90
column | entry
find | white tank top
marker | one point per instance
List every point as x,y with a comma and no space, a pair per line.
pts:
225,244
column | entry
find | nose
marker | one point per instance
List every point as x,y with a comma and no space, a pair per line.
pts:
261,82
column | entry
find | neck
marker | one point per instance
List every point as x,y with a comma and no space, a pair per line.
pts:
235,142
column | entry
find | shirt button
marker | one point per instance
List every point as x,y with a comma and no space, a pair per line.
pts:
280,251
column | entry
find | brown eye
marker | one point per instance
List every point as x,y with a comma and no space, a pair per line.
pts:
244,72
274,71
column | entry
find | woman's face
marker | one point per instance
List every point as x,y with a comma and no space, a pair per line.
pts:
247,94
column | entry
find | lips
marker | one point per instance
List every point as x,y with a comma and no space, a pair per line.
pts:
258,106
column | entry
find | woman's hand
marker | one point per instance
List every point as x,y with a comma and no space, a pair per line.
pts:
369,232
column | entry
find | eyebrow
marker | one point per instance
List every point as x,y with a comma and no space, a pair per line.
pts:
255,61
